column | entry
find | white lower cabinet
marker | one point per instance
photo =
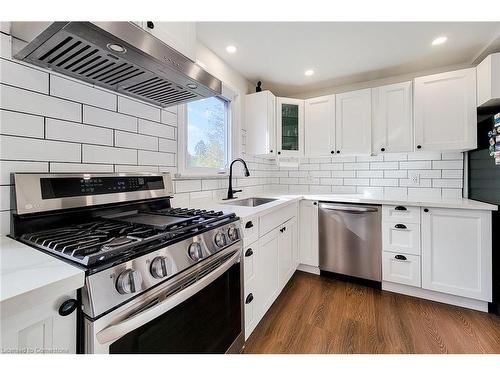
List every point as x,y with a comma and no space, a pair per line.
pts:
309,245
456,252
401,268
287,251
401,237
39,329
268,276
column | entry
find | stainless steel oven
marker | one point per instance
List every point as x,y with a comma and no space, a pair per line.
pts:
197,311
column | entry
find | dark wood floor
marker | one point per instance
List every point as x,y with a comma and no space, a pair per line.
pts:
320,315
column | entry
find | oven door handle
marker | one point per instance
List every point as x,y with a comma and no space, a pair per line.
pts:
120,329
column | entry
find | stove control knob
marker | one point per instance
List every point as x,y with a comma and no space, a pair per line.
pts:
232,233
129,281
195,252
159,267
220,239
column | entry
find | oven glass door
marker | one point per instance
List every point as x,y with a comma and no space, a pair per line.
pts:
207,322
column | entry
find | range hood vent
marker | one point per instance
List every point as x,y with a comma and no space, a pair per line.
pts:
121,57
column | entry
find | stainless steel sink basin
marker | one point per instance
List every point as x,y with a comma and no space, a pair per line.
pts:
251,202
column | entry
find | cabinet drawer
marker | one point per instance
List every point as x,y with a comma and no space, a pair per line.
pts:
401,268
401,214
250,261
278,217
401,237
250,230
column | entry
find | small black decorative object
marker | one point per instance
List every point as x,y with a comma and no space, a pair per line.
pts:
258,88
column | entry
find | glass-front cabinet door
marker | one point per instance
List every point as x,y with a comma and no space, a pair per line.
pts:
290,127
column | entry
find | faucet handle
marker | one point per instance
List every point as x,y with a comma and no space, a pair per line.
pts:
237,191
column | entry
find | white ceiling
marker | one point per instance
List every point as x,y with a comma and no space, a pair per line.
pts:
278,53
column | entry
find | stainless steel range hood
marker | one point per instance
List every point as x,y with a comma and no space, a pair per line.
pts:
122,57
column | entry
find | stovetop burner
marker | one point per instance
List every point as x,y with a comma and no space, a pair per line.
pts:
98,241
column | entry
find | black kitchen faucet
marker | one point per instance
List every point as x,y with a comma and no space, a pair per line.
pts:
230,190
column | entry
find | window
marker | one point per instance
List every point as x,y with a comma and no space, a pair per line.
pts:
206,136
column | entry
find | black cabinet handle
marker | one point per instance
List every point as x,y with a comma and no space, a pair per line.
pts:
426,210
400,226
271,151
382,149
419,147
249,298
400,257
283,229
279,152
67,307
332,152
315,203
338,151
249,253
249,225
150,24
400,208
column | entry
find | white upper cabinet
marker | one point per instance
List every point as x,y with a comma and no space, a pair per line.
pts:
260,123
488,81
290,127
456,252
320,126
392,122
353,122
445,111
181,36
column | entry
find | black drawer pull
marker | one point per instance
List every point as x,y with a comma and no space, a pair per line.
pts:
400,208
150,24
400,226
249,253
249,298
426,210
67,307
400,257
249,225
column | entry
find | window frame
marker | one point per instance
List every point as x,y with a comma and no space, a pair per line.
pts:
230,98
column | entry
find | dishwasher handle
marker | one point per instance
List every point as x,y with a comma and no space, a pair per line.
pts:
351,209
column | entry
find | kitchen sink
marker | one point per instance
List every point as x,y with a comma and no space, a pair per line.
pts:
251,202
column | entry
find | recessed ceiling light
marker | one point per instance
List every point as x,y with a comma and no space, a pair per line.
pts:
231,49
309,72
439,40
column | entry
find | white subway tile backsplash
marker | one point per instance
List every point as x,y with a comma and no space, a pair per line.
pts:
74,132
332,167
447,183
156,129
184,186
370,191
343,189
320,189
451,193
332,181
370,174
5,46
156,158
423,193
77,92
396,191
168,118
343,159
395,157
134,140
448,164
423,183
320,160
452,156
384,182
427,173
108,155
424,156
108,119
398,173
167,145
385,165
138,109
8,167
452,173
4,223
319,173
15,123
5,196
357,181
19,75
343,173
20,100
136,168
356,166
424,164
79,168
371,158
16,148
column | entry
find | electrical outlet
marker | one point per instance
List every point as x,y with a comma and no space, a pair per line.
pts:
414,178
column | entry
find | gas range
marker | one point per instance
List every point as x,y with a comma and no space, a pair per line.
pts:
137,251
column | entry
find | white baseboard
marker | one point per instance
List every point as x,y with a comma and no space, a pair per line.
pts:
470,303
308,268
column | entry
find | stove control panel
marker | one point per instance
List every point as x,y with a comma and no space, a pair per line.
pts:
118,284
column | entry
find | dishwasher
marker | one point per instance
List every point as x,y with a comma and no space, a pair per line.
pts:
350,240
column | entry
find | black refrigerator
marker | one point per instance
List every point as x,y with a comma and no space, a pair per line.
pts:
484,183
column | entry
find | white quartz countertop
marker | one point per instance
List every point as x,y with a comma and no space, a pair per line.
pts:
31,274
245,212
